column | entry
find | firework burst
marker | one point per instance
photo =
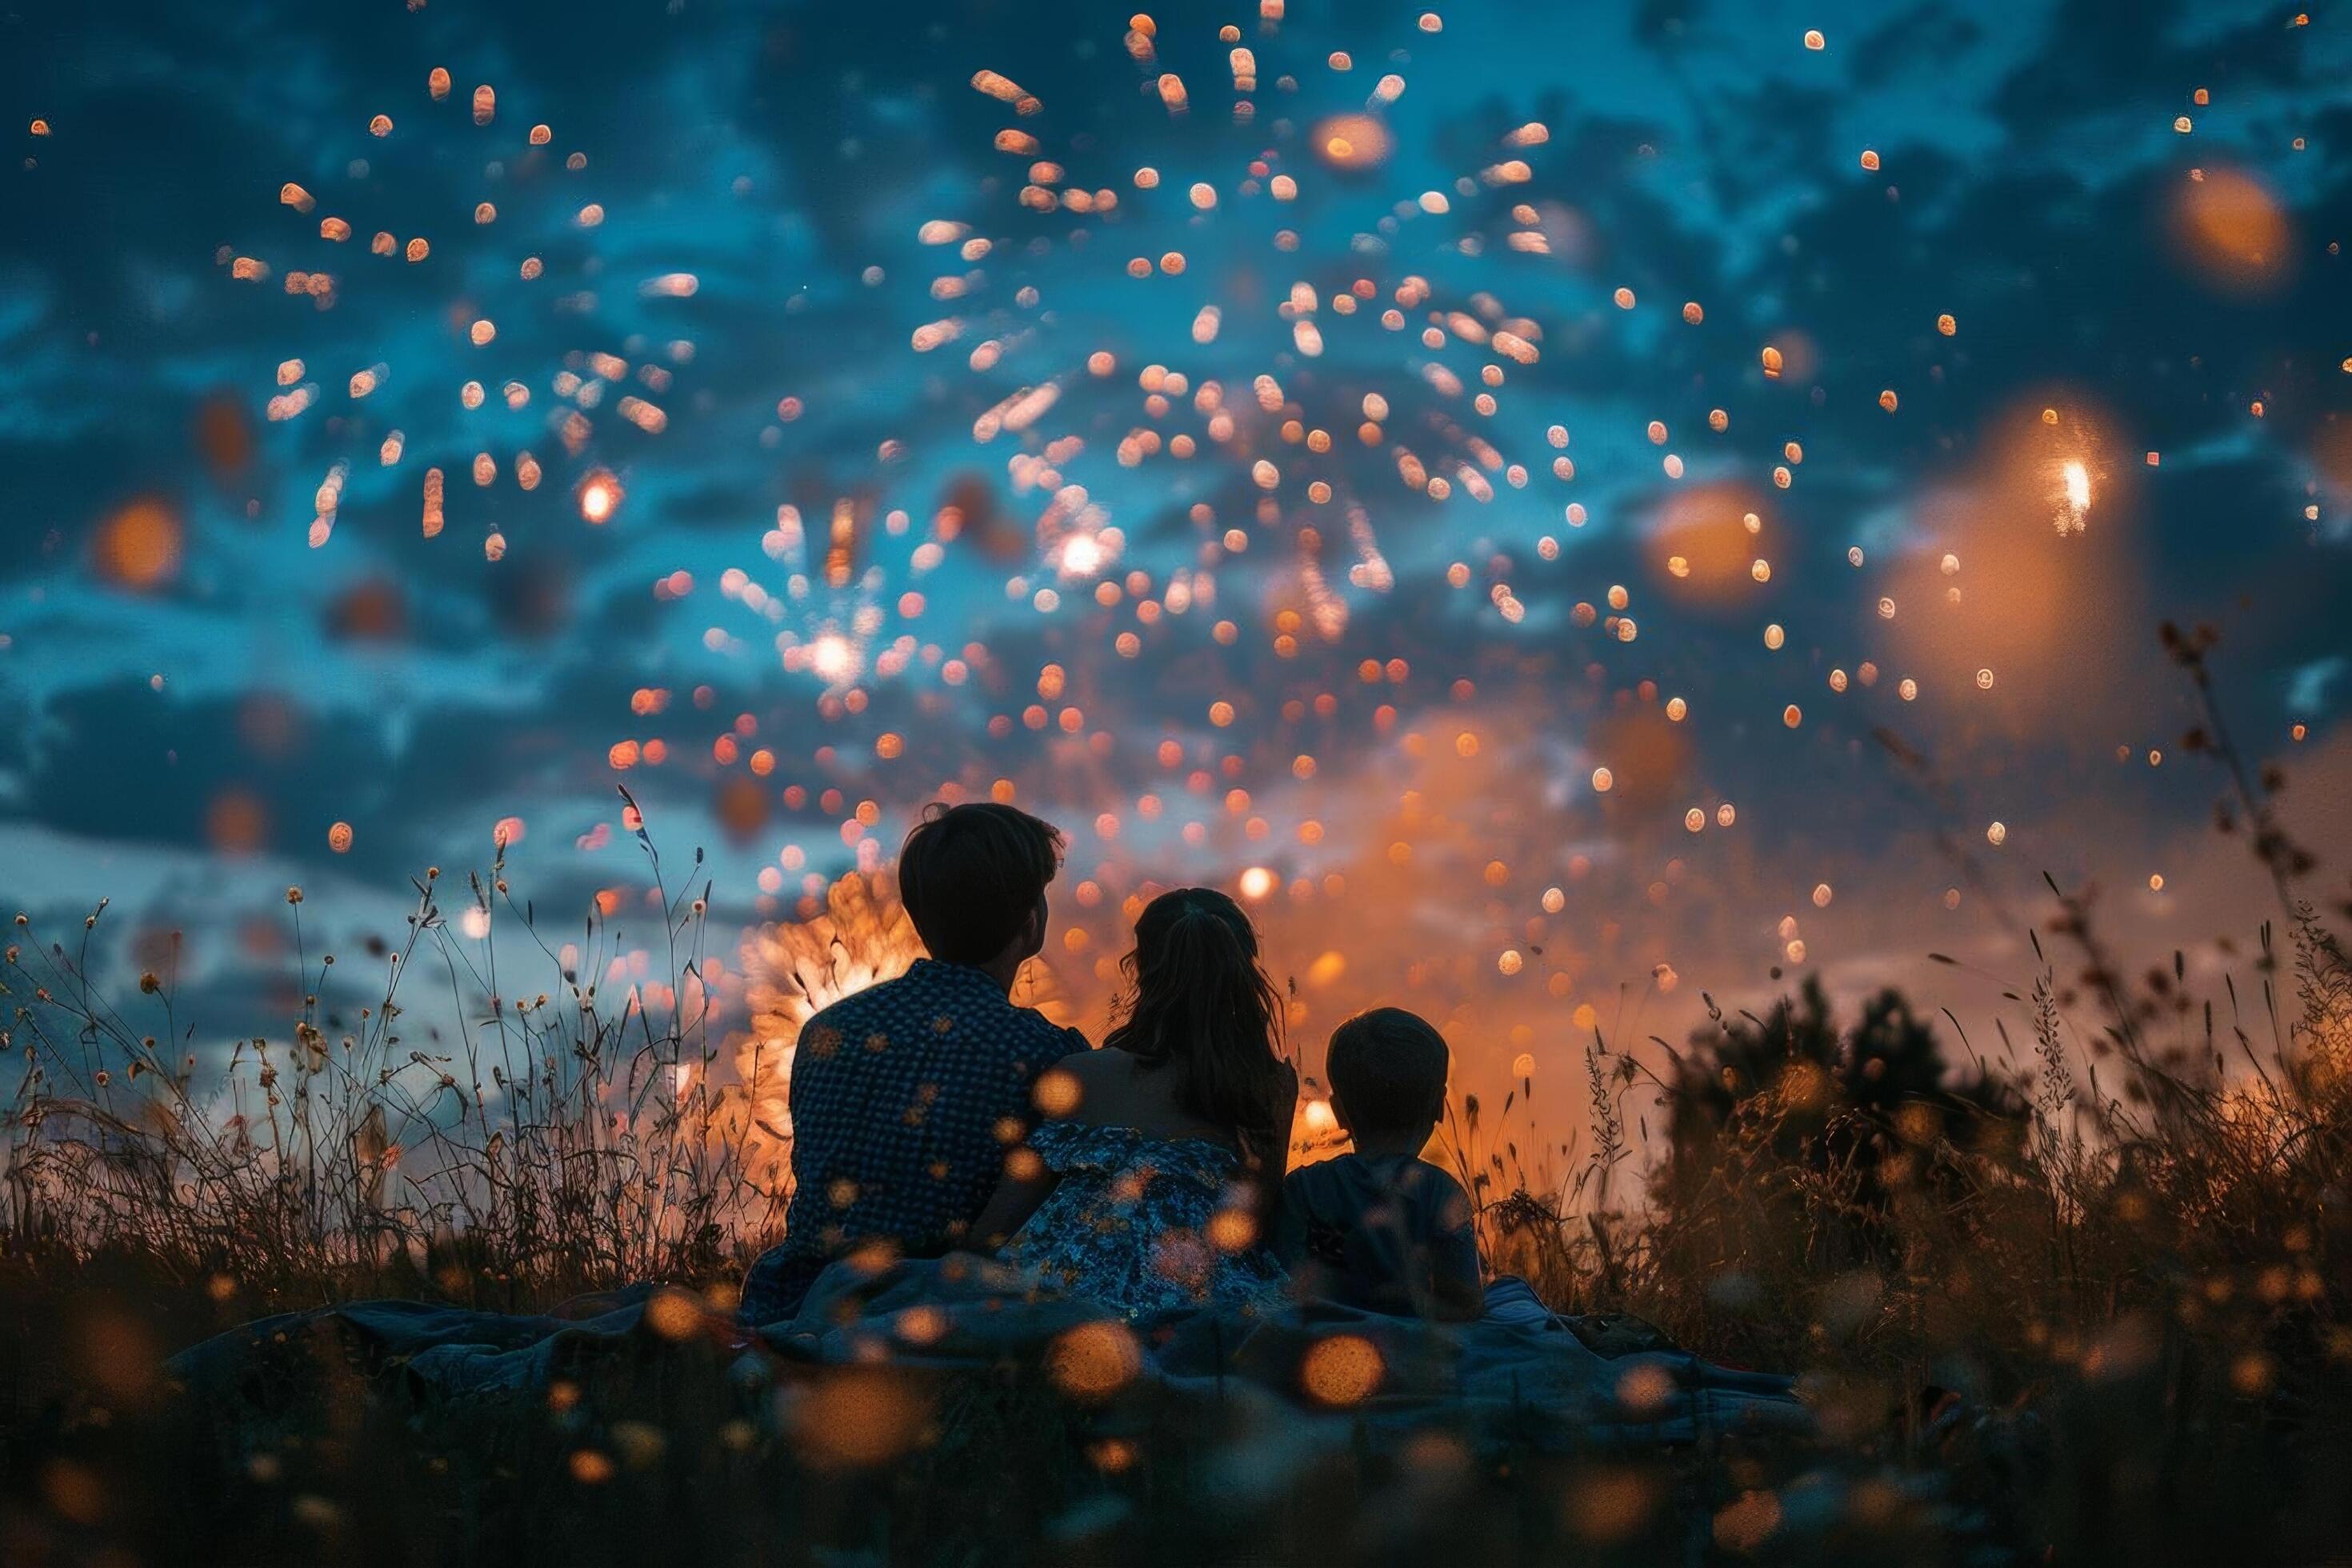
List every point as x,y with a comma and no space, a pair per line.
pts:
453,330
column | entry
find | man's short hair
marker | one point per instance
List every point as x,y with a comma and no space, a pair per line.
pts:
1387,1067
972,875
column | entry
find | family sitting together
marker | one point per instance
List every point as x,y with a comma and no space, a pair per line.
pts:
952,1149
931,1115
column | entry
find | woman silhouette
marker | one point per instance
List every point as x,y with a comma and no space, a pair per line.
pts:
1150,1183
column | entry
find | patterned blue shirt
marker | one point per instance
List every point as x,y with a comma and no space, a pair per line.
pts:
904,1100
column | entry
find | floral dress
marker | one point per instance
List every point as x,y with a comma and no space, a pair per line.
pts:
1145,1224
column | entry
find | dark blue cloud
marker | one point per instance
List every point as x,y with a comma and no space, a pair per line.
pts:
2028,183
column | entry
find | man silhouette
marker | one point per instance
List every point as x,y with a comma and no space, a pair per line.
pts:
905,1096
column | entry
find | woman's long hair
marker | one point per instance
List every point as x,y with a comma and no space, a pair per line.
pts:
1197,1003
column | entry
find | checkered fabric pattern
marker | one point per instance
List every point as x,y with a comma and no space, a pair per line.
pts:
904,1100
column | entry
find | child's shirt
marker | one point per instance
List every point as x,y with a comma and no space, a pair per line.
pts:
1388,1233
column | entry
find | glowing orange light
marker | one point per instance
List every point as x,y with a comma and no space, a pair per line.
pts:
2232,230
600,497
139,546
1341,1369
1354,141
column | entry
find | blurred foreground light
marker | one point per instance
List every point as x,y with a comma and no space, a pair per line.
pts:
139,546
1354,141
2232,231
1094,1361
1341,1369
859,1418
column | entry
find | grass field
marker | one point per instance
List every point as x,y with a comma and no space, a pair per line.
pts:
2092,1308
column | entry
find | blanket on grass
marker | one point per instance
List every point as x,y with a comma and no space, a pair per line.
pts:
1520,1370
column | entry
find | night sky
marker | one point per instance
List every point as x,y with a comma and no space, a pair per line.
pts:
1359,540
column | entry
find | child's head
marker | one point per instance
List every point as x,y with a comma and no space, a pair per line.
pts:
1387,1072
